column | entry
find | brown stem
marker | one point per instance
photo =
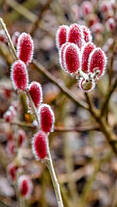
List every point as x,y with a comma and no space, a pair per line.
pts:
57,128
111,138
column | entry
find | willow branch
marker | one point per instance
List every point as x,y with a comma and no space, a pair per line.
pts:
104,127
11,46
22,10
56,129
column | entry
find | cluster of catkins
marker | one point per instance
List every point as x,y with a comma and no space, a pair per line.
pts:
95,13
108,10
20,80
79,56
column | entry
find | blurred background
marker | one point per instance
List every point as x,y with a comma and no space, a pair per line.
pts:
84,163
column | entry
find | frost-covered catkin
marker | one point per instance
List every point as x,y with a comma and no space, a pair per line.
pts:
19,75
25,48
75,35
39,145
86,50
71,58
46,118
97,61
36,93
61,35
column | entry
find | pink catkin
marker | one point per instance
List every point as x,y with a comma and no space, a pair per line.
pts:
35,91
46,118
86,33
72,58
25,48
88,48
105,6
39,146
12,169
75,35
97,28
8,116
11,147
97,60
111,24
25,186
19,75
87,8
21,137
61,35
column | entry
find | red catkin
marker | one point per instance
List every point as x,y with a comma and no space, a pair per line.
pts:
39,146
61,35
19,75
36,94
75,35
87,49
25,48
72,59
97,61
46,118
21,137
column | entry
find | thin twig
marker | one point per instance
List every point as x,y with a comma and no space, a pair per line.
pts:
50,166
22,10
57,128
104,127
11,46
